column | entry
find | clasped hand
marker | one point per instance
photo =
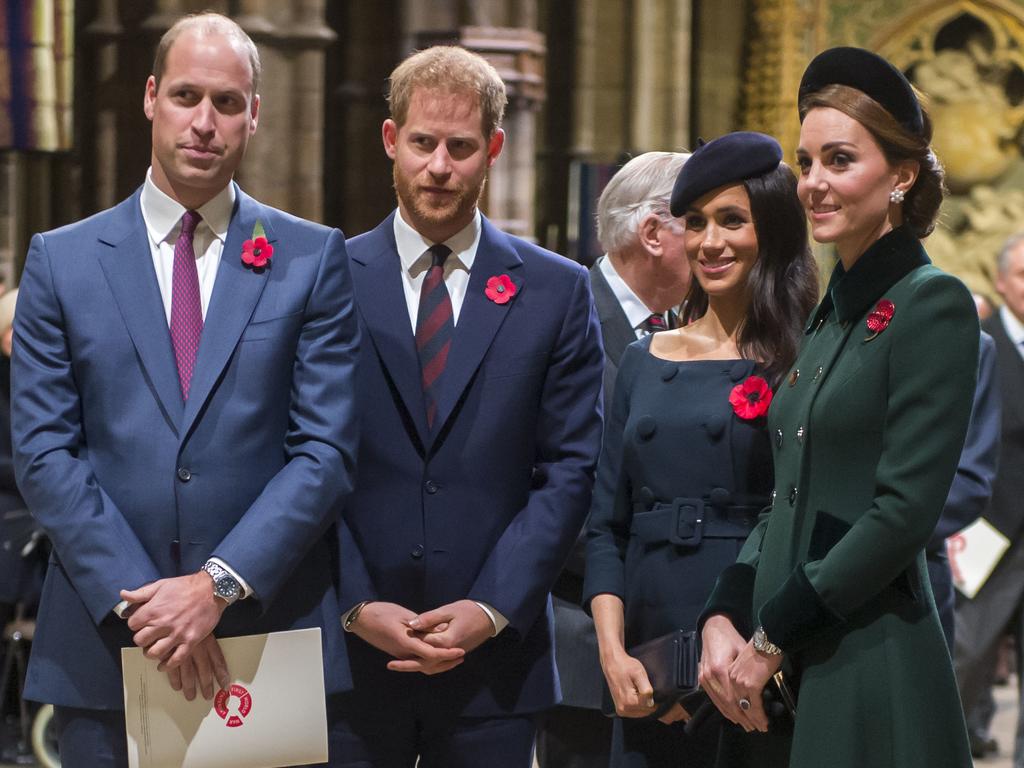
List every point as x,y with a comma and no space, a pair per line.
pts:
731,670
429,643
173,620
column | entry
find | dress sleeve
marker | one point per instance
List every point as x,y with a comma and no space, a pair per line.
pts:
607,530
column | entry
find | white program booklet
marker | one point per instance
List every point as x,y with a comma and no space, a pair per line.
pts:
974,553
274,713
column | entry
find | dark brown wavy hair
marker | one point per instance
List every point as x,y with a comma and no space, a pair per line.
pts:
783,283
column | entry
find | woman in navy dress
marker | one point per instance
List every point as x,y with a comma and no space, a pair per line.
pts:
686,465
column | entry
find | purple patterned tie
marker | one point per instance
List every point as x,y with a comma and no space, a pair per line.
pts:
434,328
186,306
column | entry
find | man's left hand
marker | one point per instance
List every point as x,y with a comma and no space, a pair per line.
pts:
170,617
462,624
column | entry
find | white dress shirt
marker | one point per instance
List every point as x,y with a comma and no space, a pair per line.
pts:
1014,328
162,216
412,252
635,310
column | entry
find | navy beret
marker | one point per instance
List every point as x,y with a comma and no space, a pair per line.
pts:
728,159
870,73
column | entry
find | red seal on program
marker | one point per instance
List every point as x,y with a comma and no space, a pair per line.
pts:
233,716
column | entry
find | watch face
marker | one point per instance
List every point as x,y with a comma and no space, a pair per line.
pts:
226,587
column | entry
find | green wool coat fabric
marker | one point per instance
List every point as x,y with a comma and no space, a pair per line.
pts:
866,430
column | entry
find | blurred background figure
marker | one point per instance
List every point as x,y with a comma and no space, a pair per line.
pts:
981,622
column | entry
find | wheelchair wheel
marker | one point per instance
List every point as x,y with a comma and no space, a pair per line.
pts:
44,738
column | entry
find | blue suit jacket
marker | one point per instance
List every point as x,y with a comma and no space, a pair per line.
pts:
488,503
132,484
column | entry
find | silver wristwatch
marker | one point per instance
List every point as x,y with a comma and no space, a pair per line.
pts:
763,645
225,586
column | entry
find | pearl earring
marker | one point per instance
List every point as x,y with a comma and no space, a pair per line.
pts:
896,196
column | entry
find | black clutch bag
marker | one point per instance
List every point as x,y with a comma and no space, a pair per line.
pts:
671,665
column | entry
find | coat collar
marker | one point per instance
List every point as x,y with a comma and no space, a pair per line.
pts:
889,259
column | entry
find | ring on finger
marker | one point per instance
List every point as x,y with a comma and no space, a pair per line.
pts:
744,704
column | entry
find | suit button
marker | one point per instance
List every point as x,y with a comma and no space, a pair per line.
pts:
793,376
792,496
417,552
184,475
430,487
778,438
800,434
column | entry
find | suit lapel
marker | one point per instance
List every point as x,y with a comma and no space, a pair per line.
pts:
615,328
127,264
235,294
479,319
377,277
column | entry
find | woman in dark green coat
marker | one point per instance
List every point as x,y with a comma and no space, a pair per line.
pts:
866,433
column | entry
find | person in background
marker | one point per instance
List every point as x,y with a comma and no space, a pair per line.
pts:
982,621
639,286
971,491
867,430
686,464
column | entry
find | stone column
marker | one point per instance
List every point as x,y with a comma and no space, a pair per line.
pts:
659,85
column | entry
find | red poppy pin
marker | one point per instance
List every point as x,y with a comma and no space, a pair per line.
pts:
750,398
500,289
878,318
256,251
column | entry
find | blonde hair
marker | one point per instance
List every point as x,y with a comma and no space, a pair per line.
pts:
453,70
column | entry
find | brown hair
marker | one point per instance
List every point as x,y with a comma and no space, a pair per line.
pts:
207,23
898,144
453,70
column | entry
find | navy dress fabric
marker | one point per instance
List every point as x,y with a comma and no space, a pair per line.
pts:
675,453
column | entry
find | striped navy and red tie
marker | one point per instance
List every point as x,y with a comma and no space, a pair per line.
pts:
435,325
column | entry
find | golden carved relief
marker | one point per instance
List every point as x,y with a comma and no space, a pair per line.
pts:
967,58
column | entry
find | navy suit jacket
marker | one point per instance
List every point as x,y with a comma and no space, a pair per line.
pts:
487,504
132,484
1006,512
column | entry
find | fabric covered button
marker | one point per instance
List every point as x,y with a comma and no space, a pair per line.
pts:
720,497
646,426
737,370
715,427
669,371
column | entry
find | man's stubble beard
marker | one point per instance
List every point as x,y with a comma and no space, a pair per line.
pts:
464,202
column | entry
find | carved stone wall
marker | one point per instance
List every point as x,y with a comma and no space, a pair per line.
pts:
965,56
